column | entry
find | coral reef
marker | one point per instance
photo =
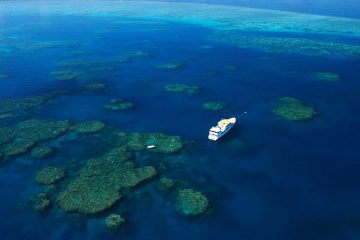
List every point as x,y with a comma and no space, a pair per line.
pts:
170,65
121,134
23,136
36,45
6,116
114,221
49,175
88,65
19,105
137,55
327,76
85,69
293,109
162,143
98,184
165,184
214,16
41,152
28,45
39,130
67,75
96,85
191,203
206,47
12,105
231,68
119,105
6,135
3,76
18,147
50,189
287,45
182,88
41,202
91,126
214,106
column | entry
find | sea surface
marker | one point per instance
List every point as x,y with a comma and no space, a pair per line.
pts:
268,178
344,8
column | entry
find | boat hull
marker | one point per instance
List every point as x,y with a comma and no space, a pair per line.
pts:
220,134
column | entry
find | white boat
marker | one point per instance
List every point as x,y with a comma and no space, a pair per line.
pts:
221,128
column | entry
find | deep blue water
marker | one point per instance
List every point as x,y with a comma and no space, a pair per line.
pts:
294,180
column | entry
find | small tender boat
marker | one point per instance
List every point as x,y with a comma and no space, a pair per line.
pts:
221,129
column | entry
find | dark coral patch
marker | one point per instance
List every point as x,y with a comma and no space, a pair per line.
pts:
98,184
41,152
91,126
41,202
119,105
114,221
50,175
191,203
214,106
155,142
182,88
22,137
293,109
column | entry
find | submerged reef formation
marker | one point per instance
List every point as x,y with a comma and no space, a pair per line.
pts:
89,68
214,106
49,175
165,184
20,104
326,76
170,65
6,116
17,147
98,184
213,16
3,76
28,45
94,85
191,203
91,126
67,75
84,69
119,105
22,137
41,202
287,45
40,45
231,68
182,88
136,55
88,64
6,135
293,109
206,47
41,152
161,143
114,221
